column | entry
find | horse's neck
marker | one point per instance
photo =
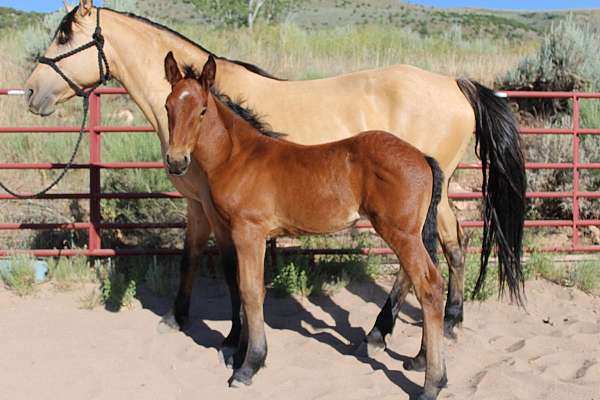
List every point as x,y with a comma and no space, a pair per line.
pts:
136,53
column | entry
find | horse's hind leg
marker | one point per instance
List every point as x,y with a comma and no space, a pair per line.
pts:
384,324
450,238
428,285
196,237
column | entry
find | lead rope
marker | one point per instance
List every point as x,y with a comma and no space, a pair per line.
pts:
104,71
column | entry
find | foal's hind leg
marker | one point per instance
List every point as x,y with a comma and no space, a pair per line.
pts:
196,237
428,285
450,238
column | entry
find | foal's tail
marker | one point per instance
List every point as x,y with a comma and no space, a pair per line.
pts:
429,233
499,148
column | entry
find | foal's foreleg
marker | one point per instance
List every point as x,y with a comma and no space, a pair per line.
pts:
250,247
196,237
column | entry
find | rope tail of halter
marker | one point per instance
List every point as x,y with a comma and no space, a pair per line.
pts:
104,71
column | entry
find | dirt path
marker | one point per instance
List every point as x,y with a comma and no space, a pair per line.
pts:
49,348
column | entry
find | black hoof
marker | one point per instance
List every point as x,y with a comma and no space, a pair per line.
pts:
241,378
417,364
449,330
227,355
168,324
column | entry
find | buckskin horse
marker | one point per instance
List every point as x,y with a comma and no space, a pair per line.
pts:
435,113
264,187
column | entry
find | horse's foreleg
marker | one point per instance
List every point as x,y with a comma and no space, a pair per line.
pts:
384,324
196,237
450,237
250,247
234,342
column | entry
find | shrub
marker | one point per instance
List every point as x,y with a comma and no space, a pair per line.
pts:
568,60
117,289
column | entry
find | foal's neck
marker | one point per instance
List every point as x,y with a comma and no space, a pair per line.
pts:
223,134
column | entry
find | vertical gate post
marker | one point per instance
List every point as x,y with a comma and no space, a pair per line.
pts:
576,162
94,241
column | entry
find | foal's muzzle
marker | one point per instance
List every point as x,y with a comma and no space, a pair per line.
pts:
178,166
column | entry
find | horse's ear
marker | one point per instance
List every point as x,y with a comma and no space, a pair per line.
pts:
68,7
85,7
207,79
171,69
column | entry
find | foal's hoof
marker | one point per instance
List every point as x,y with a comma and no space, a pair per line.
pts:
449,332
417,364
226,356
424,396
168,324
368,349
240,379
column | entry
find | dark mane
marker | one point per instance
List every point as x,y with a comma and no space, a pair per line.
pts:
236,106
65,33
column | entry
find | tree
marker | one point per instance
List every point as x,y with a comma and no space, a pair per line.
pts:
243,12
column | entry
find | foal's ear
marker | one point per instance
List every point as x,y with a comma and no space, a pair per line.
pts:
171,69
85,7
207,79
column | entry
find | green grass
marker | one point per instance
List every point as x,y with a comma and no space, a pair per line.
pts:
586,277
19,277
68,273
306,275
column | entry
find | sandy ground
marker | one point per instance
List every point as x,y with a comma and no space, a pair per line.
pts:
49,348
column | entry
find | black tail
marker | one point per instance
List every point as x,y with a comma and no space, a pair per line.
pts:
499,148
429,233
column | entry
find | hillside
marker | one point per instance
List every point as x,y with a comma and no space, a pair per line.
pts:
12,19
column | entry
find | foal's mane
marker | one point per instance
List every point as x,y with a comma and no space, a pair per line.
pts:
236,106
64,32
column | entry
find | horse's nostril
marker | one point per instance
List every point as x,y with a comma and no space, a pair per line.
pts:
168,160
28,93
186,159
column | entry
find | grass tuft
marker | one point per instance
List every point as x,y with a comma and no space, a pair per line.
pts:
68,273
19,276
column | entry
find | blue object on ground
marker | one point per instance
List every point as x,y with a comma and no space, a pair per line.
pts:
40,268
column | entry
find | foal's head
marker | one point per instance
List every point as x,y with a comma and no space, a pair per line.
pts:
186,106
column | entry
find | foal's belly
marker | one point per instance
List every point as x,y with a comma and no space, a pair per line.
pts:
313,221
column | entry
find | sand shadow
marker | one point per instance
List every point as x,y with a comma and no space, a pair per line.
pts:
210,302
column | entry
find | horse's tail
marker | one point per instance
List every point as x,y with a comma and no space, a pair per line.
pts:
499,148
429,233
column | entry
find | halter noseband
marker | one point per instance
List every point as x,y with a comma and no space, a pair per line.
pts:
98,42
103,68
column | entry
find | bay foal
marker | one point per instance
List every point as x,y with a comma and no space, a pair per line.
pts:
263,186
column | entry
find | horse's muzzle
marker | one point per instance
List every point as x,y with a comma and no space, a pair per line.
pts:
178,166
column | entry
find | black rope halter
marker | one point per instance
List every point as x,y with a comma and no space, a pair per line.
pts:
104,71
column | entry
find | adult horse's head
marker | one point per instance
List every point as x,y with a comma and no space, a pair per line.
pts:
186,106
45,87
